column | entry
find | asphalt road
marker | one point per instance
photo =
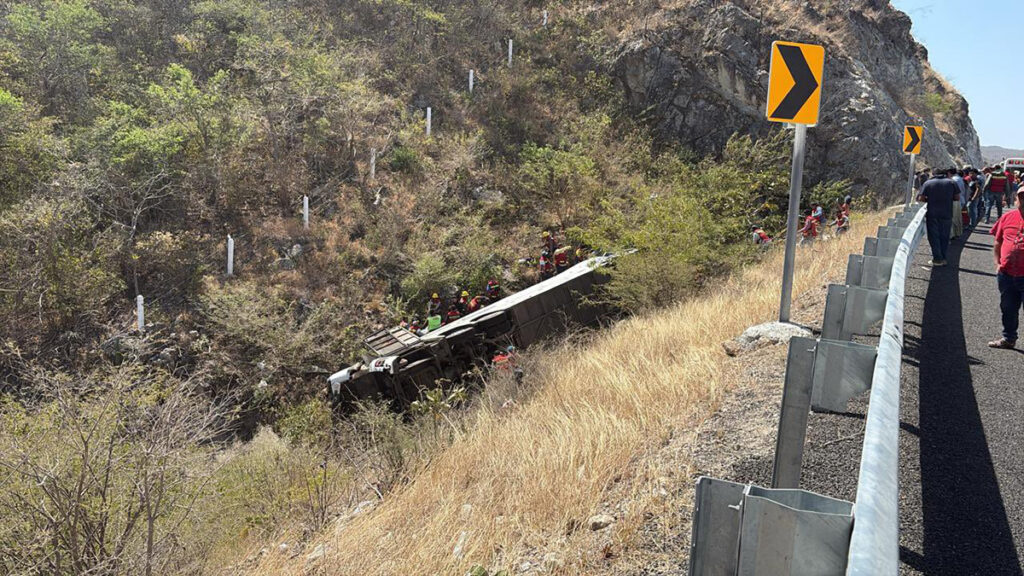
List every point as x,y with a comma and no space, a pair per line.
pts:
962,428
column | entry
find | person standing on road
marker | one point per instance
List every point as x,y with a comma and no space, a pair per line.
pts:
1009,256
939,193
1013,182
958,222
996,186
974,185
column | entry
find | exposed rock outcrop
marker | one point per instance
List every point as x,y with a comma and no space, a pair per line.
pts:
701,74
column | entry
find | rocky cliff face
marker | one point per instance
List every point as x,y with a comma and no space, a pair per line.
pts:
700,73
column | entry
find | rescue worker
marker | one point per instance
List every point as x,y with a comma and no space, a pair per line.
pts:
493,290
452,315
810,229
842,223
463,302
476,303
562,259
547,269
550,244
818,213
416,327
582,254
434,305
996,186
506,360
759,236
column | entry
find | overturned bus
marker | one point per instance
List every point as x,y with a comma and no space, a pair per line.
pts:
403,364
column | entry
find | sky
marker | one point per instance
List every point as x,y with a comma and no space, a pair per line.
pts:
960,38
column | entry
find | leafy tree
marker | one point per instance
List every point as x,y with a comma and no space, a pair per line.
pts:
29,153
561,180
59,59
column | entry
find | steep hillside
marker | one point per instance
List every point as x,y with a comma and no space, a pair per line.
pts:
698,70
524,487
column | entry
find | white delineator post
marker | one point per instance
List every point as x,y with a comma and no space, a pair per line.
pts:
140,312
231,255
792,223
373,163
545,24
910,181
471,81
510,52
429,120
305,212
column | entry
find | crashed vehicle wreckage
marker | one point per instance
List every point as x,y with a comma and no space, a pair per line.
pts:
403,363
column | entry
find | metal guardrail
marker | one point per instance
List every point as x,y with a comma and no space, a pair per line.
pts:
874,545
750,530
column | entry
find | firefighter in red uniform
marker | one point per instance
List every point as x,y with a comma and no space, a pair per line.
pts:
561,260
493,290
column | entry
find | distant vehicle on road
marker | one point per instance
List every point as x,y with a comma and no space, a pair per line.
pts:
1013,164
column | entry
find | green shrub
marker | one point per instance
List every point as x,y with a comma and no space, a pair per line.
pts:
406,160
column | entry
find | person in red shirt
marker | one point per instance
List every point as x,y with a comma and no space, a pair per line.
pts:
810,229
759,236
1009,258
561,260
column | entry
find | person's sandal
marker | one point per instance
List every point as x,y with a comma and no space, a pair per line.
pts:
1002,343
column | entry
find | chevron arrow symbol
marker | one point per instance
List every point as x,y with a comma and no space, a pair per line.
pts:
805,83
915,139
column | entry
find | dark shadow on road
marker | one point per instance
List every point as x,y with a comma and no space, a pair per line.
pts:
978,273
908,428
966,529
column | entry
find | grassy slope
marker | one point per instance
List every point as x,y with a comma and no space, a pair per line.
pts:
534,472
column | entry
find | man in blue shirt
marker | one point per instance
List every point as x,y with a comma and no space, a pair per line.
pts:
939,193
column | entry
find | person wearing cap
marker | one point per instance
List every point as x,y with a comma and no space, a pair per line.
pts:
939,193
463,302
1009,259
996,186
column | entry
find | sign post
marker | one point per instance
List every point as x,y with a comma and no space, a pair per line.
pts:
794,97
912,138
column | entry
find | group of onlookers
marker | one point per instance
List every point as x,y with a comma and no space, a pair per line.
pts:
980,191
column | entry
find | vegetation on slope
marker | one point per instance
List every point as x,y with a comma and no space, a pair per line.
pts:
135,136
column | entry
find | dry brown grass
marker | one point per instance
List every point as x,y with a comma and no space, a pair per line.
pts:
534,473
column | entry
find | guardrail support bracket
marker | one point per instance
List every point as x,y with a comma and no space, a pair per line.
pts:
753,531
851,310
